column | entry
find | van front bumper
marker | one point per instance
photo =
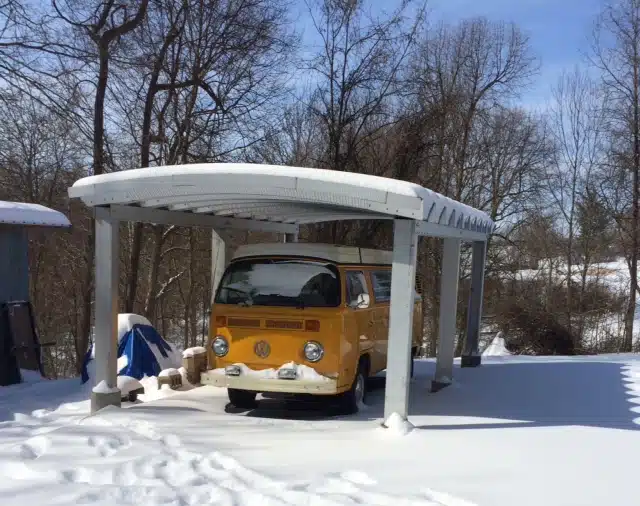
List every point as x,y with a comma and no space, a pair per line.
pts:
218,378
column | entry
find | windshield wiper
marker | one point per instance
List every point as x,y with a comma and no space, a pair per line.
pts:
247,302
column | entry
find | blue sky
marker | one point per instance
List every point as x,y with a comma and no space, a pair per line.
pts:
558,30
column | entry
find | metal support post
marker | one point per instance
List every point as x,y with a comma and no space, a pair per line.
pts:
471,355
448,312
403,274
107,260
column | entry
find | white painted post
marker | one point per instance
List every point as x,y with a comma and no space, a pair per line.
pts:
403,274
471,355
448,311
220,257
106,312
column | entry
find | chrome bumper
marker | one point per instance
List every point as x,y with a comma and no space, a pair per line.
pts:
257,384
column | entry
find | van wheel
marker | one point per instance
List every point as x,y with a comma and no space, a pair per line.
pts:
244,399
351,399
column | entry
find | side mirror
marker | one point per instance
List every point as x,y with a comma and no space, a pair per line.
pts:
362,301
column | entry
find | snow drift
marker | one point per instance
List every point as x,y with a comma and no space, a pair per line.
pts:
496,348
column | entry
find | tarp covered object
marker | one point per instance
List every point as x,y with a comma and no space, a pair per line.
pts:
141,350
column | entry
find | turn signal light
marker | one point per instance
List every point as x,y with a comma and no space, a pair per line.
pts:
312,325
221,321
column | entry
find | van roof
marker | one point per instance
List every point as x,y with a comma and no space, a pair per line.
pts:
330,252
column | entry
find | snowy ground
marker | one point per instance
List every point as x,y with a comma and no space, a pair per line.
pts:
518,430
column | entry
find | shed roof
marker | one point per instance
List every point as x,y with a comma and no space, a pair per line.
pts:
22,213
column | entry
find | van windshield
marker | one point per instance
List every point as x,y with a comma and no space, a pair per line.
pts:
279,282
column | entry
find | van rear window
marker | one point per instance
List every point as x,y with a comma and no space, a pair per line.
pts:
274,282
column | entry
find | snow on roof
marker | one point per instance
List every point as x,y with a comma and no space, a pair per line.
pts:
280,194
21,213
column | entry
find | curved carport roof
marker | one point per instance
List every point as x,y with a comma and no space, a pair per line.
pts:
280,199
276,194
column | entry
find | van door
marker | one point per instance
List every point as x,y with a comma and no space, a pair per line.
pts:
359,304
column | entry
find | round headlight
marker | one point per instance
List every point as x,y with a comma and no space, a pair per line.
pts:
313,351
220,346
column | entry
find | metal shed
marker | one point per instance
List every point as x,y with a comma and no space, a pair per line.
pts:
16,219
280,199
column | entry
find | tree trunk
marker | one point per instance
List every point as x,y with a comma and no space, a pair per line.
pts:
185,342
145,156
84,331
156,258
633,288
575,337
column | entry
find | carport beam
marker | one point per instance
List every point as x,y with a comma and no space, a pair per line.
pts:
403,272
106,392
471,356
448,312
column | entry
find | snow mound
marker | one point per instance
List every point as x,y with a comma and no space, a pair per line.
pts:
127,384
496,348
397,425
152,391
171,371
190,352
103,388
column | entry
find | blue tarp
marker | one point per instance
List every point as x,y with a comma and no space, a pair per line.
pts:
135,345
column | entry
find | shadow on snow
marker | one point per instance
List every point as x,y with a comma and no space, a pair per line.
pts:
541,394
499,394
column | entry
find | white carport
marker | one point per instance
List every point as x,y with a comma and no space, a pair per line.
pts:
280,199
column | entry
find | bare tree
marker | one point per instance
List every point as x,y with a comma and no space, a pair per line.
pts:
41,154
458,76
616,54
101,24
217,69
577,125
292,140
358,71
172,23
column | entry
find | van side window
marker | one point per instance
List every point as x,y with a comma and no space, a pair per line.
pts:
356,286
381,281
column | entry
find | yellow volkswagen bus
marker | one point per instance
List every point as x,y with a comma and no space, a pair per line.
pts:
302,318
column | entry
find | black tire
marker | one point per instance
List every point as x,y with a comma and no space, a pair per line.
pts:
244,399
133,396
349,400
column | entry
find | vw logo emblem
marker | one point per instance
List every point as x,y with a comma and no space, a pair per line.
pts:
262,349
